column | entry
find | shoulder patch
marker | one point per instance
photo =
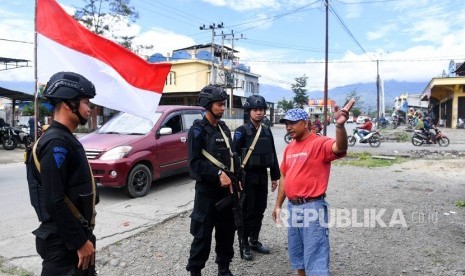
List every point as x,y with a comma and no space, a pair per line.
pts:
59,154
237,135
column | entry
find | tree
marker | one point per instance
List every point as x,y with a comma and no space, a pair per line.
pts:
357,108
285,105
28,110
104,16
301,96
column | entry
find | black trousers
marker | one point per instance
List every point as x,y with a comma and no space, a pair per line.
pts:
256,195
202,228
57,259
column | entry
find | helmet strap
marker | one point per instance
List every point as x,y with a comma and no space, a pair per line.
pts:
75,109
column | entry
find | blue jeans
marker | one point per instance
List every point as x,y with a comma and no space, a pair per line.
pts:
362,133
308,237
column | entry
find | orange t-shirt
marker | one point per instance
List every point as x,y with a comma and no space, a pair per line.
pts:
306,166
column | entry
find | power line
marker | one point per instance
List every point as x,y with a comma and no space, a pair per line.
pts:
274,17
287,46
19,41
355,61
344,26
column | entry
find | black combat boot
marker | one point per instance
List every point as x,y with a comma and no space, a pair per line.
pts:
246,254
196,273
223,270
257,246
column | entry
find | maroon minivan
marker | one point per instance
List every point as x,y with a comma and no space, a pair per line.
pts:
131,152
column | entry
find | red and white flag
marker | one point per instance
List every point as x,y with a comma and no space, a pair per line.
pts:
123,80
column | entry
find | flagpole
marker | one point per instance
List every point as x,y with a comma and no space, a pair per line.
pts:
36,86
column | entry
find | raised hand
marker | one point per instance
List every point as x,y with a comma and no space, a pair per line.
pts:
341,115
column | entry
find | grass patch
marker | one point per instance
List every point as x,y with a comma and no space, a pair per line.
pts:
460,203
402,136
365,159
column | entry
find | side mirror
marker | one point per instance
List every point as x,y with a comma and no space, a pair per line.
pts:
164,131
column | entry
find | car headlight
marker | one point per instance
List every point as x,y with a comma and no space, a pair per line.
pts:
116,153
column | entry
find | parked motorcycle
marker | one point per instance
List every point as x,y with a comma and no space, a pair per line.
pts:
22,135
421,137
8,138
460,123
373,138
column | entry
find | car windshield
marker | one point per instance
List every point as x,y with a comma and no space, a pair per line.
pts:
125,123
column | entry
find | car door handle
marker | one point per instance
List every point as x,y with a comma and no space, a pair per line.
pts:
183,139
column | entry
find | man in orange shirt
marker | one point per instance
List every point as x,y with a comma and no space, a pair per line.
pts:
304,178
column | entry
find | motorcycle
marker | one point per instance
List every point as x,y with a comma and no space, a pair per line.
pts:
397,121
22,135
421,137
288,139
460,123
8,138
373,138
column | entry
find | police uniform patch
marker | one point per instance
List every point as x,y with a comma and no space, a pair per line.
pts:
237,135
59,154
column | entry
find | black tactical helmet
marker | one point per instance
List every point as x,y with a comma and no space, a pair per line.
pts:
68,86
254,101
210,94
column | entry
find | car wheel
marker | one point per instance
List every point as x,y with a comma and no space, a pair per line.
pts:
351,140
443,141
139,181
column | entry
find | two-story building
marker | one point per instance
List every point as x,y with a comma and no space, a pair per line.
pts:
194,67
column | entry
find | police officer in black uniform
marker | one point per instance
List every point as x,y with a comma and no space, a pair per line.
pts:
262,156
62,180
212,184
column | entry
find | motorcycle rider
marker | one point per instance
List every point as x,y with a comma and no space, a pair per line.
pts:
317,124
364,129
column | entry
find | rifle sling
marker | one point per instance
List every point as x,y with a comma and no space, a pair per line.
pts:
252,147
214,160
68,201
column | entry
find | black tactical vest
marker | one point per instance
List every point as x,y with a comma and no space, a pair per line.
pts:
77,190
263,154
214,142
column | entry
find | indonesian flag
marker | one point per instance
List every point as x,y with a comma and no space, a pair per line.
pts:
123,80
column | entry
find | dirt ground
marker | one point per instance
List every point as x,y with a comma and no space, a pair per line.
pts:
398,220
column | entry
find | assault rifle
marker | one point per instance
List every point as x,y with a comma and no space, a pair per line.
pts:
237,200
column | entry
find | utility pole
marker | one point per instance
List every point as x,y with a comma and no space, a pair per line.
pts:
212,27
233,38
378,84
325,100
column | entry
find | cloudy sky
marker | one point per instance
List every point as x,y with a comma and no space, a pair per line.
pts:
284,39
